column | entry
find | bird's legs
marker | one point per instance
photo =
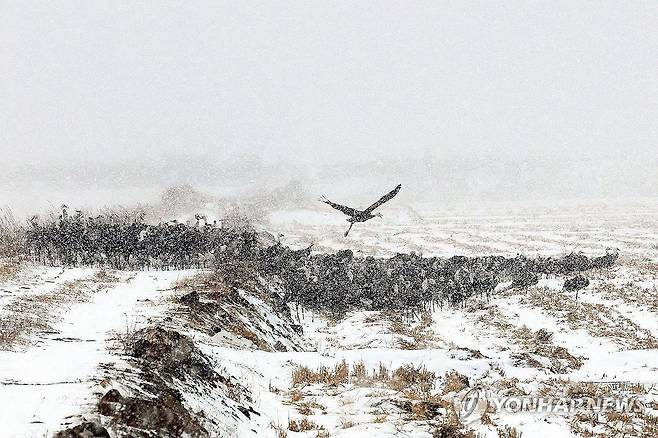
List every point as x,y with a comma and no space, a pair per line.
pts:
348,230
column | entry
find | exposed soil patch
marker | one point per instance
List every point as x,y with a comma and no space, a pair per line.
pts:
165,415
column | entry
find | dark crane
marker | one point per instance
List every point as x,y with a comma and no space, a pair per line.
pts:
362,215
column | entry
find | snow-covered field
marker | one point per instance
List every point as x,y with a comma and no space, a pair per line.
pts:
63,355
506,229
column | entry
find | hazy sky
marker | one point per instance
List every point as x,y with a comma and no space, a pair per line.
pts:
88,81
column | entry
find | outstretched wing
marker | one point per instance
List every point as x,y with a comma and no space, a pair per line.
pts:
347,210
387,197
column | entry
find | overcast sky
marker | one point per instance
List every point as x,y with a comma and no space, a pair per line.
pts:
319,80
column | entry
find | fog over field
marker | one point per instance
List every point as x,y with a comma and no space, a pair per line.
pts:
475,102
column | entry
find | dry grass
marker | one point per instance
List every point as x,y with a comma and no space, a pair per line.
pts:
359,371
295,396
281,431
336,376
240,330
486,420
614,424
508,432
508,386
105,276
420,333
302,425
12,235
414,382
346,423
602,321
452,428
309,407
124,340
8,269
572,389
586,389
414,387
454,382
10,334
538,350
32,313
630,294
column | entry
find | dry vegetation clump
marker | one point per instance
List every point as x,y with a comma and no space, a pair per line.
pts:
295,396
302,425
508,432
414,387
427,409
602,321
508,386
346,423
240,330
106,276
552,387
413,382
452,428
337,376
124,340
559,387
359,372
538,348
486,420
12,235
309,407
454,382
281,431
8,269
586,389
614,424
632,294
211,282
10,334
421,333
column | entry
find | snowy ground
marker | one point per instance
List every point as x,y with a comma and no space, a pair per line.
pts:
49,379
55,372
506,229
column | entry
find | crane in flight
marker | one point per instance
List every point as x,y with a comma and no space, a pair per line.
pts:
362,215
